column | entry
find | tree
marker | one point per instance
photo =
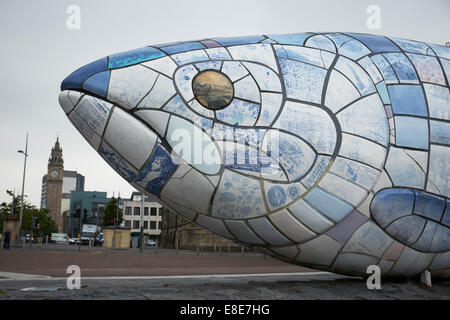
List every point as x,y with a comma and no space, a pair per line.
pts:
46,224
111,213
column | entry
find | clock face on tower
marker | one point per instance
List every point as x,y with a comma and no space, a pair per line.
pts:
54,173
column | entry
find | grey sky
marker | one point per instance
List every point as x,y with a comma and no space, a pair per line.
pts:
38,52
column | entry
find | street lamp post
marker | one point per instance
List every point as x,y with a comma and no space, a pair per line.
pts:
23,183
141,234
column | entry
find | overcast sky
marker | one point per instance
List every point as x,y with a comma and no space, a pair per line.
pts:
38,51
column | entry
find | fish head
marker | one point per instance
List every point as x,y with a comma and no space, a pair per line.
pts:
208,130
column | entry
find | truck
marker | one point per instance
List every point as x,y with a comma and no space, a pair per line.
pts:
89,231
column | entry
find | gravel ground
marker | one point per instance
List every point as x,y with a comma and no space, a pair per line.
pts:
321,286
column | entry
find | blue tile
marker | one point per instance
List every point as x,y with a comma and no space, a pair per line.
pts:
183,47
390,204
131,57
403,68
408,99
295,156
406,229
126,170
329,205
294,38
429,205
231,41
376,43
446,216
76,78
424,241
239,112
411,132
276,196
382,91
440,132
98,83
385,68
441,240
303,82
157,171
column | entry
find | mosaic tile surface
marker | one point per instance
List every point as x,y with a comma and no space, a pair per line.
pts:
329,150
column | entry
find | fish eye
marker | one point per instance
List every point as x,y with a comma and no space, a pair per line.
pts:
213,89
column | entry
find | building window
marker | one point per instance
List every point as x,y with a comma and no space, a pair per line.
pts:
146,211
128,211
128,224
159,225
153,211
145,224
137,211
136,224
159,212
152,225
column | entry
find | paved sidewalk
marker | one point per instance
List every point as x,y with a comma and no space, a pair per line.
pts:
131,263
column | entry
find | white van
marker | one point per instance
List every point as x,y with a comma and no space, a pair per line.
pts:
59,238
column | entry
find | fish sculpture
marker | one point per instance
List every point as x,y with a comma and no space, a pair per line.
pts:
327,150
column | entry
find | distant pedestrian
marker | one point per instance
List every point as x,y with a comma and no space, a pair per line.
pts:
6,239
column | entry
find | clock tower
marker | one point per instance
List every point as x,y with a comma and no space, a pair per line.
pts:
55,175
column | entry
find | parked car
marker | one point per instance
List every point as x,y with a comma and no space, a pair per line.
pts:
33,238
150,242
74,240
60,238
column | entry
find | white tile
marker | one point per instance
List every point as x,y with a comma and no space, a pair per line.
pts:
130,137
289,252
218,53
404,170
94,112
439,173
265,230
343,189
310,217
319,251
368,239
243,232
291,227
65,102
192,191
190,56
182,211
270,105
127,86
91,137
247,89
354,263
309,123
183,78
156,119
262,53
267,79
366,118
362,150
411,262
340,92
162,91
214,225
234,70
163,65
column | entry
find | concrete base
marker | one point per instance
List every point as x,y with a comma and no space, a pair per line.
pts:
425,278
